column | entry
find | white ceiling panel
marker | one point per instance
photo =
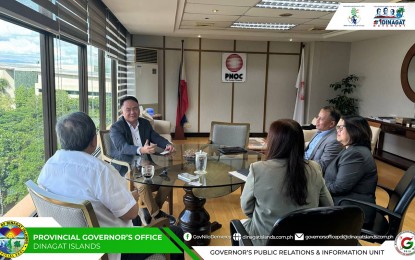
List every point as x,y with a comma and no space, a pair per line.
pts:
189,18
198,17
227,2
319,22
277,12
256,19
221,9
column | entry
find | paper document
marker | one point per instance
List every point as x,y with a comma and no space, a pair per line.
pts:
241,174
187,177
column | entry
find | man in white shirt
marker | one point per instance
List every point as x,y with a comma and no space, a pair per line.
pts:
324,147
133,137
73,172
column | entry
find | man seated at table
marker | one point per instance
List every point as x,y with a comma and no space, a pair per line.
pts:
73,172
133,136
324,147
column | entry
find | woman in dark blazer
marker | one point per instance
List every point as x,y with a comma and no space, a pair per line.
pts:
353,174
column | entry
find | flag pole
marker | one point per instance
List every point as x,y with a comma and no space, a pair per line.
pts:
179,131
299,108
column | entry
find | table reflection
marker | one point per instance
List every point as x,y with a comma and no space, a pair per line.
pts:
217,182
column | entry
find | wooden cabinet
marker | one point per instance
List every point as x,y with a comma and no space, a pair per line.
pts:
394,129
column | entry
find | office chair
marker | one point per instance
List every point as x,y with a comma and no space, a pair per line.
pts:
68,212
388,221
105,143
322,221
229,134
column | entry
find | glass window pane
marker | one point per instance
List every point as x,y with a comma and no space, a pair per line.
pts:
108,92
21,117
66,77
93,84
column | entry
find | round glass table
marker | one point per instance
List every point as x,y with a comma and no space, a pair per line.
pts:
216,182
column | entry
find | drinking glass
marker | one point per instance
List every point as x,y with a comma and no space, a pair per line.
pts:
201,162
147,171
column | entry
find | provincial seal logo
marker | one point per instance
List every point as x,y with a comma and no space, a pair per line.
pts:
405,243
14,239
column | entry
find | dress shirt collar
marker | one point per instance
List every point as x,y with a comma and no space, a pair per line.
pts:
131,126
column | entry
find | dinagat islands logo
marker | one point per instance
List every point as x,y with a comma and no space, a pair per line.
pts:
13,239
389,17
354,17
405,243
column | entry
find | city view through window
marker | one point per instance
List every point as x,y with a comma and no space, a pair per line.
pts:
22,144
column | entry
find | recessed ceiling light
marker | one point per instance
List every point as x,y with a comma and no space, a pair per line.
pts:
215,10
267,26
207,18
291,39
308,5
286,15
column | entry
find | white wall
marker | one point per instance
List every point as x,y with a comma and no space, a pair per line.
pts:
328,63
378,64
212,100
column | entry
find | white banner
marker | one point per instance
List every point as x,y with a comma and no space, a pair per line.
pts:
373,16
385,251
233,67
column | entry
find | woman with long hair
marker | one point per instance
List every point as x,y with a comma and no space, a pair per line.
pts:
284,182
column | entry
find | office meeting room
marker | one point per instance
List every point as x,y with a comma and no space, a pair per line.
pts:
207,129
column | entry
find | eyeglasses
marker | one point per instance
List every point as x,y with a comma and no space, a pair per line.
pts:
340,127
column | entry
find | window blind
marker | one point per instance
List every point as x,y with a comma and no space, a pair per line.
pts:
39,14
97,24
72,19
60,17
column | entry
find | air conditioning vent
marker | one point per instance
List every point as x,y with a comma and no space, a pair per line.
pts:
201,24
318,28
145,55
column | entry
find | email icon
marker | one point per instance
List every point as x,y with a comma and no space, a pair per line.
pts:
299,236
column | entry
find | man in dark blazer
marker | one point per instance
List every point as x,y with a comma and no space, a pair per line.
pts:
324,147
133,137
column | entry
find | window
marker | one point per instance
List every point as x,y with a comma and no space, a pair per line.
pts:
108,92
66,77
21,117
93,85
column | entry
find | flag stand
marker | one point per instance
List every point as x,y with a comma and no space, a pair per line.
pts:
179,133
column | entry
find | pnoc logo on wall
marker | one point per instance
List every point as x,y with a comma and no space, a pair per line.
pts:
233,67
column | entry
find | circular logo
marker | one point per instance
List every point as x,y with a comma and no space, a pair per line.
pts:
236,236
405,243
13,239
187,236
234,62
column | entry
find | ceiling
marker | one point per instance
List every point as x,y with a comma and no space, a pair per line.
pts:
195,18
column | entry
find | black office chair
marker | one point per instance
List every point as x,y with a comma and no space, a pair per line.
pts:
388,221
322,221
